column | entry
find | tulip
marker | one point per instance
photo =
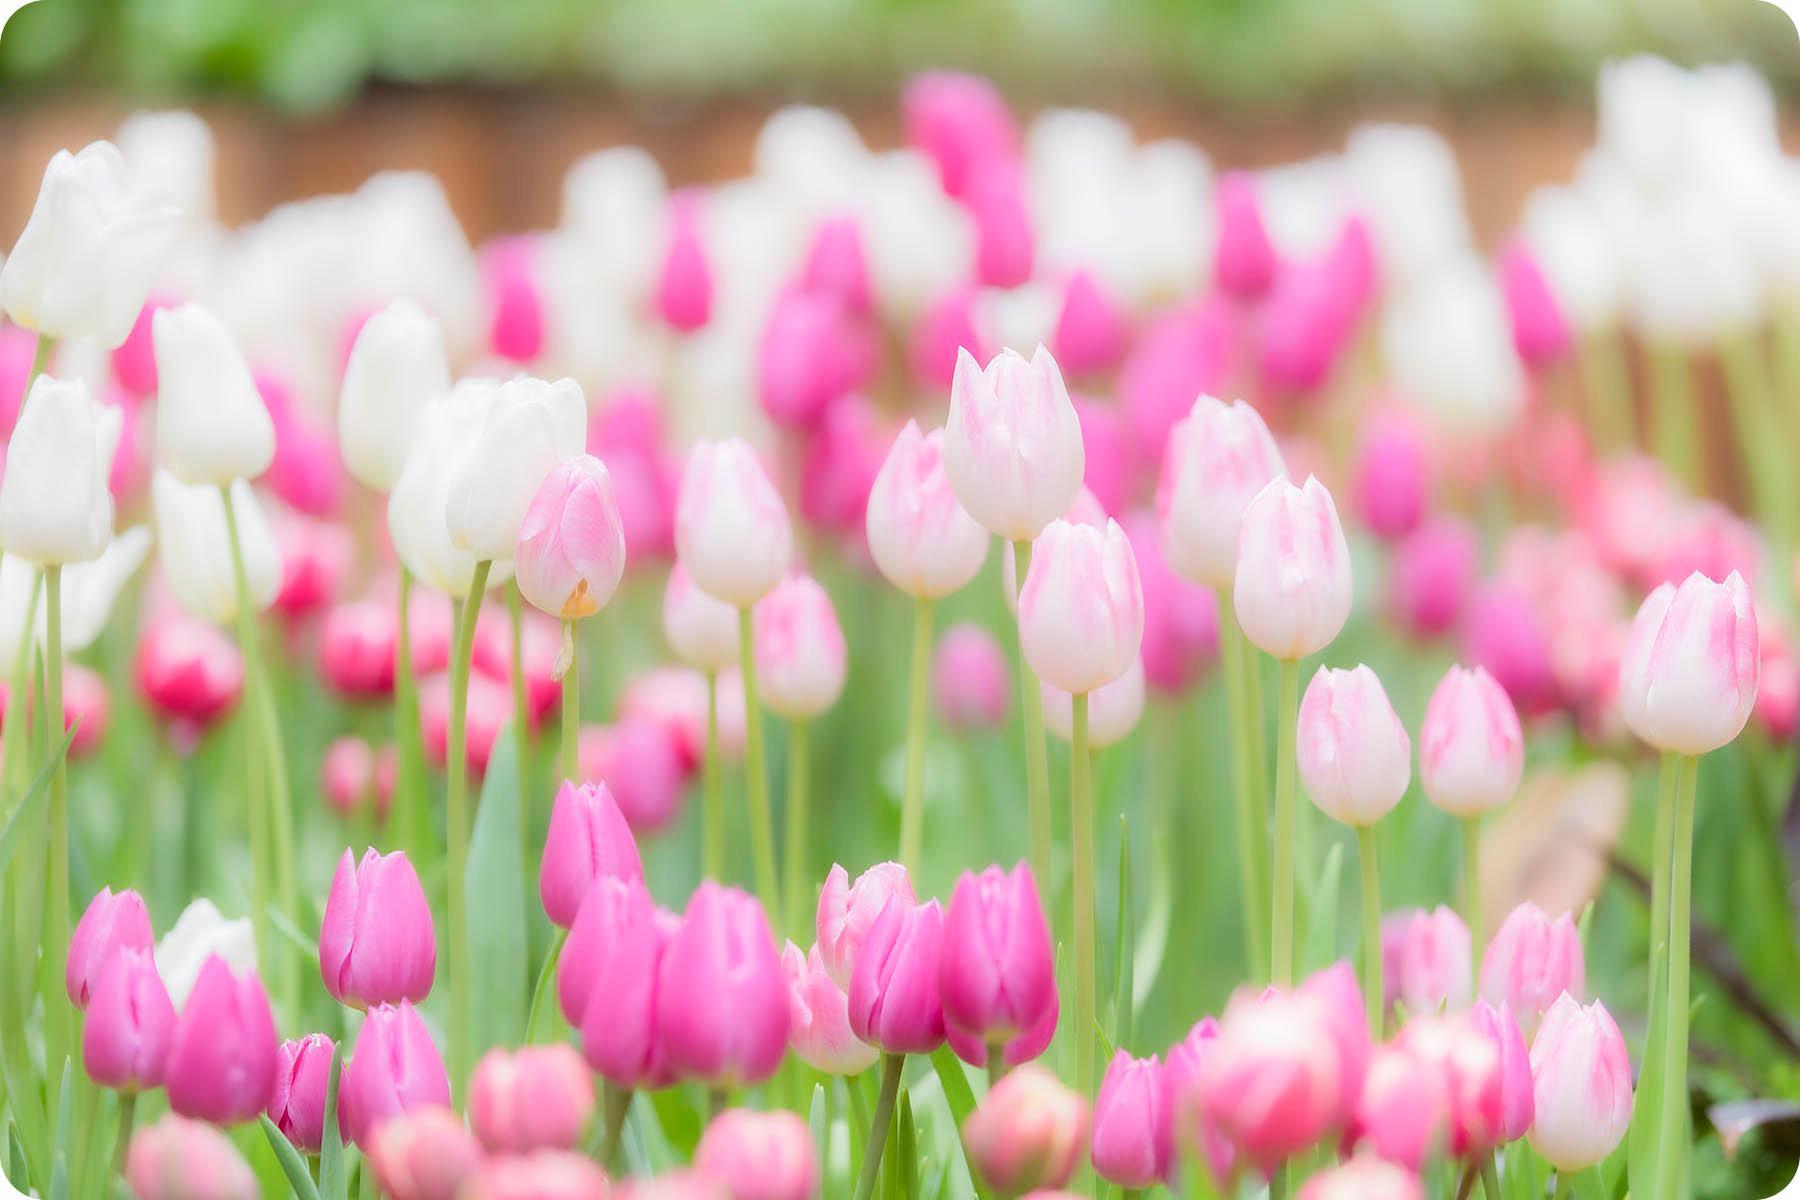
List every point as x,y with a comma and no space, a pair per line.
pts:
943,331
1391,476
627,435
535,1098
1339,1000
530,426
1467,1060
112,923
1471,750
819,1017
1012,446
1402,1115
1581,1085
1689,676
509,268
1540,331
418,503
423,1154
800,653
1108,472
836,264
1181,620
588,839
1081,611
1218,459
125,1037
895,1001
1355,757
1505,635
221,1064
357,649
811,354
1113,709
1531,962
86,707
1183,1069
571,552
1244,262
306,473
759,1156
643,764
179,1159
187,670
958,121
1272,1083
1092,331
54,503
678,699
838,467
996,969
847,912
1005,240
1431,575
396,369
1292,586
315,557
212,426
721,1002
731,528
394,1069
490,709
1026,1046
1133,1134
551,1175
920,536
1426,961
702,631
92,246
376,942
1028,1132
200,934
302,1077
1517,1103
1363,1179
193,547
606,980
970,678
684,290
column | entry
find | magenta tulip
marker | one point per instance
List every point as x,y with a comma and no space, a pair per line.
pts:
588,839
997,970
376,943
221,1065
302,1075
895,1003
112,922
394,1068
126,1035
721,1000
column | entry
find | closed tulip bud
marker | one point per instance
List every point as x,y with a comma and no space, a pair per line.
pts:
920,536
179,1159
201,933
1425,960
702,631
547,1175
607,981
95,239
113,921
1217,460
188,671
302,1076
1363,1179
1402,1115
819,1017
970,678
895,999
684,287
1244,261
376,942
221,1065
394,1068
642,762
1181,619
1184,1070
1133,1135
1467,1060
1581,1085
1541,333
571,552
997,967
1272,1082
1292,588
424,1154
847,911
1471,749
588,839
531,426
1532,961
1517,1103
211,423
721,1001
1028,1132
800,654
125,1036
446,435
356,649
193,547
759,1155
396,369
1391,476
54,502
534,1098
1113,708
1012,445
1092,330
1081,612
1688,679
731,528
1355,757
1431,576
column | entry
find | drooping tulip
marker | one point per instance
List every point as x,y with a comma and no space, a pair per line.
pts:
396,368
920,536
1012,444
894,992
571,552
1292,587
996,967
1471,749
1689,676
211,423
588,839
1028,1132
180,1159
721,1000
126,1034
54,502
800,654
731,528
1355,756
394,1069
376,941
760,1155
534,1098
302,1076
1218,458
112,922
1532,961
847,911
1582,1085
1081,611
221,1064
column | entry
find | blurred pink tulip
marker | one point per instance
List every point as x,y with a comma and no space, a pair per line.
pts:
721,1000
179,1159
189,671
515,303
302,1075
1391,478
1517,1102
394,1069
675,698
1012,445
1028,1132
920,536
1194,1134
423,1154
1540,332
588,839
545,1175
540,645
800,654
357,649
837,265
1244,261
376,942
684,287
1532,961
1338,995
1133,1133
959,122
490,707
221,1064
1302,331
841,460
1181,619
847,911
113,922
1709,538
1355,755
1219,458
1292,587
819,1017
1114,709
1092,329
134,359
1581,1085
606,981
307,472
812,353
1689,676
347,775
315,557
1426,961
532,1098
895,1002
129,1023
1471,749
760,1155
642,762
1181,354
1081,611
731,528
572,544
970,678
1363,1179
1505,636
1271,1082
944,332
998,201
18,349
1460,1052
626,433
1431,576
1402,1115
996,968
1107,473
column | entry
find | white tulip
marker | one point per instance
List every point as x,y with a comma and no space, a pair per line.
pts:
1448,343
417,505
530,426
1406,185
614,203
396,368
89,589
211,423
194,547
172,152
200,932
54,504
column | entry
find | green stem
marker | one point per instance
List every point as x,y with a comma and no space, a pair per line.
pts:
1252,832
712,815
410,818
122,1142
456,806
617,1103
996,1063
1281,937
546,984
1471,847
521,719
1037,763
1373,993
1490,1177
1565,1185
762,827
1645,1151
912,815
1675,1043
1081,838
58,1039
1761,448
1674,426
571,707
891,1065
794,859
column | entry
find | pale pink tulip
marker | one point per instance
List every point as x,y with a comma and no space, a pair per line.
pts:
701,630
1292,587
1688,680
800,653
1081,612
731,528
571,546
1012,445
1114,709
1355,756
1531,962
1028,1132
819,1017
1363,1179
920,537
1471,749
1219,457
1426,960
1582,1079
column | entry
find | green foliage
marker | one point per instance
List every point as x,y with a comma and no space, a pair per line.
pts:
497,899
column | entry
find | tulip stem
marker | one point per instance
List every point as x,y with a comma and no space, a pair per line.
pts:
712,827
1675,1043
1037,764
456,807
1252,829
794,858
996,1063
1490,1177
58,1038
1471,847
410,820
1281,938
545,984
521,720
122,1142
1672,407
1644,1124
762,826
617,1102
571,706
1374,996
1081,838
912,816
891,1065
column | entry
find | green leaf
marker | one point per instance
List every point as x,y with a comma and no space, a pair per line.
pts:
59,1170
819,1126
495,879
292,1165
334,1178
1124,937
30,802
957,1093
907,1167
1320,947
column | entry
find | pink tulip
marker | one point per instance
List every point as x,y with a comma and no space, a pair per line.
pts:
812,353
315,557
1709,538
534,1098
1184,1070
759,1155
847,911
1391,477
1244,262
1627,510
1181,620
87,708
1778,694
1113,708
221,1064
998,203
302,1075
1425,960
894,994
356,649
819,1017
839,465
675,698
347,775
626,434
731,528
18,350
423,1154
588,839
546,1175
1581,1085
1133,1135
942,334
1107,473
970,678
307,472
920,536
376,942
1402,1115
997,967
1532,961
188,670
1092,330
1302,332
1471,749
1355,756
509,268
572,545
607,981
1431,576
125,1035
1272,1082
1023,1048
1081,611
641,761
1028,1132
1181,354
1292,586
1218,459
1363,1179
684,288
134,360
178,1159
800,653
1505,636
836,264
540,645
1541,333
1339,998
959,122
1461,1053
1517,1103
112,922
702,631
394,1069
721,1000
490,707
1012,444
1689,676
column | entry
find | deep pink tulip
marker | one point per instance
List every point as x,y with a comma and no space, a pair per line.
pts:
1184,1069
18,350
1181,619
376,941
971,679
307,472
509,271
1133,1131
721,1000
1425,960
942,334
221,1065
1028,1132
1517,1103
394,1068
1244,261
533,1098
1092,329
130,1021
839,466
1531,961
847,911
540,644
1505,635
1023,1048
1688,679
1300,338
626,433
837,265
607,978
1581,1085
189,671
1541,333
1403,1113
959,122
1460,1052
1340,1000
356,649
546,1175
179,1159
113,921
134,360
811,354
684,289
642,762
1181,354
302,1074
316,555
1390,480
998,202
894,993
997,970
819,1017
1107,474
347,775
760,1155
588,839
572,543
1363,1179
1471,749
423,1154
1272,1082
1431,576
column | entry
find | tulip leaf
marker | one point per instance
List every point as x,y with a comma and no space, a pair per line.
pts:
958,1097
1124,936
334,1180
59,1169
495,880
818,1124
31,801
1320,946
292,1165
907,1165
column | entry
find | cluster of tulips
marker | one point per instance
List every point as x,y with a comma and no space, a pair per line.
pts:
345,415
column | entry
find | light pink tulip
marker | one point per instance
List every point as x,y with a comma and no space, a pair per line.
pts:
1517,1102
1218,459
1012,445
721,1000
895,1002
588,839
1461,1053
129,1023
800,653
1471,749
357,649
302,1075
1185,1067
221,1064
846,911
819,1017
675,698
760,1155
179,1159
572,544
1113,708
1531,962
1363,1179
1338,995
920,537
490,709
997,967
1402,1115
731,528
1582,1085
970,678
701,630
534,1098
1355,756
1133,1133
394,1069
673,1185
540,645
347,775
684,288
112,922
643,763
1081,612
376,941
1688,680
1272,1082
1028,1132
1426,960
1244,261
1292,586
545,1175
423,1154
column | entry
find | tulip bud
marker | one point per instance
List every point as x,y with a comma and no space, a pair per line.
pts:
1081,612
571,552
721,1001
1402,1115
113,922
1218,458
376,942
356,649
701,630
759,1155
396,369
1425,960
958,121
1181,620
800,654
819,1017
588,839
531,425
1540,332
1531,961
211,423
1092,331
895,1002
302,1076
1292,588
202,933
1391,476
997,968
1363,1179
1517,1104
608,978
920,536
394,1069
1272,1082
1355,757
193,547
684,289
1471,749
1113,708
1133,1135
1431,576
424,1154
1028,1132
178,1159
1689,675
1244,262
125,1036
547,1175
1581,1085
1184,1070
970,678
221,1064
642,762
54,502
534,1098
731,528
1012,445
846,912
1461,1053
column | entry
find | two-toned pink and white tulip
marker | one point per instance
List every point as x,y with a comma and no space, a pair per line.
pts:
376,941
1133,1141
1292,586
1688,679
920,536
759,1155
1354,753
588,839
1081,611
1402,1114
1218,458
1426,961
1582,1085
1531,962
819,1017
530,425
848,910
1027,1133
1272,1083
1517,1099
1467,1061
1012,444
800,653
394,1068
571,552
721,999
529,1099
997,970
731,528
1471,748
